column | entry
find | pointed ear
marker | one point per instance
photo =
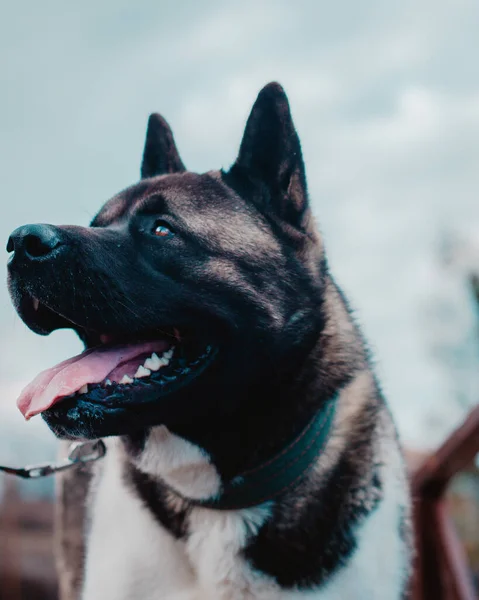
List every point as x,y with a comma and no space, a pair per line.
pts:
270,153
160,155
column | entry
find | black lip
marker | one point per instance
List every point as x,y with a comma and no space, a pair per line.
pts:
42,321
118,410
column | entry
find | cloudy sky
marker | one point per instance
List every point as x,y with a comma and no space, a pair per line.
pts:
385,96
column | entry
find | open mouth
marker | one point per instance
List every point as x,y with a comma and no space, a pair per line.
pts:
116,373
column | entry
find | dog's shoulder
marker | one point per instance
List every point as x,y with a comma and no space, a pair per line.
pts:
353,509
73,490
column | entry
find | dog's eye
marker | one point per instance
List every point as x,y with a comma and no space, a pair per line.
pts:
162,229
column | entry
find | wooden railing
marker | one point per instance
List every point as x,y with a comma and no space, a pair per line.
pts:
27,570
442,571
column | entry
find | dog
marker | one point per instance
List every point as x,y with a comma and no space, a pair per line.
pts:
250,452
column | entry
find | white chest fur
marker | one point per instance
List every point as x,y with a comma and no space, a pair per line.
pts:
130,556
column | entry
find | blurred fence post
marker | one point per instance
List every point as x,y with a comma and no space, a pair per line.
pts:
10,575
441,566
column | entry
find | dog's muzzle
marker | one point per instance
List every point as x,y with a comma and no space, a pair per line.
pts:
34,243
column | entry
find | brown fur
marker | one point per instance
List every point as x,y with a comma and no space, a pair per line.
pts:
70,518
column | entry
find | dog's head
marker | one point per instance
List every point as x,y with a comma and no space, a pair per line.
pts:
188,290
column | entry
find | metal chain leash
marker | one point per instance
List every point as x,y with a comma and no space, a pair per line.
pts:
80,453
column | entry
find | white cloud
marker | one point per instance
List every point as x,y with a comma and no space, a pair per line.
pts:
21,443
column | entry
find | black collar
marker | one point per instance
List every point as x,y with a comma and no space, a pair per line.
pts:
281,472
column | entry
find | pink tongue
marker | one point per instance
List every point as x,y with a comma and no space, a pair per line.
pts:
66,378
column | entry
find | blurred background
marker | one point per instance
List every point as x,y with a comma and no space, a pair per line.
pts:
385,96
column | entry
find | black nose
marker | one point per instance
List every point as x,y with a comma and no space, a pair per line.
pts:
34,242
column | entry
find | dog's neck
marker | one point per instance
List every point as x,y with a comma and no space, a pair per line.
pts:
184,467
189,472
197,459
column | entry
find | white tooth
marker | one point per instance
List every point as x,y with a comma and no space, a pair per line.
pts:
36,303
83,389
108,382
164,361
142,372
168,354
153,363
126,379
156,360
